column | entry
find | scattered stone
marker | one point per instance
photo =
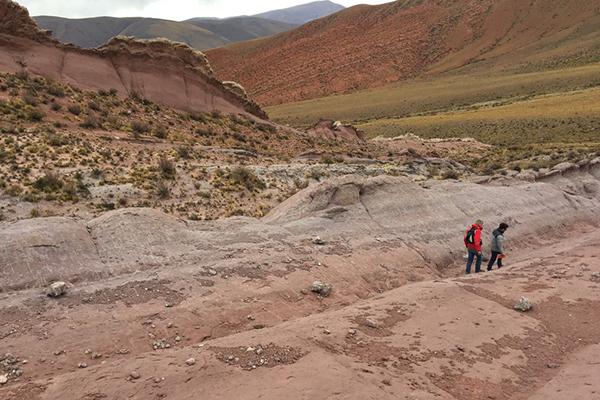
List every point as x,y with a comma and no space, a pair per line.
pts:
95,356
250,318
161,345
553,365
371,323
523,305
596,275
82,365
57,289
3,379
190,361
169,325
178,338
318,241
321,288
387,382
352,332
134,375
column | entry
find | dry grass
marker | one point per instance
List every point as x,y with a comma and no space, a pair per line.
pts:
571,117
441,94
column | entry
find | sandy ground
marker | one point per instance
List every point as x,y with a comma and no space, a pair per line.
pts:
454,338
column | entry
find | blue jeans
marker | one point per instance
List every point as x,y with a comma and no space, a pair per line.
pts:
472,255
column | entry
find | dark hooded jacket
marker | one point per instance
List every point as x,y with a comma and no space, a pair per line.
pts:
498,241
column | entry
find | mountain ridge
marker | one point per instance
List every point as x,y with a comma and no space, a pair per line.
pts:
200,33
370,46
303,13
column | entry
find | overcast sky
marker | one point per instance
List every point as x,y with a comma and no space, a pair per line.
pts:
167,9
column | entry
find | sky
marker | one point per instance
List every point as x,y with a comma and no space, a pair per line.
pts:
167,9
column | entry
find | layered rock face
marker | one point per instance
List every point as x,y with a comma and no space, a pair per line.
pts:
167,73
425,221
336,130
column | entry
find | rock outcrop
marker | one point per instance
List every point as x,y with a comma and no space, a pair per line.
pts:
167,73
336,130
427,219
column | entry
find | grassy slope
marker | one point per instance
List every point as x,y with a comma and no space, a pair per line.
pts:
533,118
435,95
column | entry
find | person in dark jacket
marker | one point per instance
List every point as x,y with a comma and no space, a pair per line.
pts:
474,243
497,246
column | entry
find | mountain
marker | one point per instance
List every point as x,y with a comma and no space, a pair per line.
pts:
304,13
94,32
237,29
369,46
199,33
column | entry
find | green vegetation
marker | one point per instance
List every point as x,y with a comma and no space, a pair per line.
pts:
533,120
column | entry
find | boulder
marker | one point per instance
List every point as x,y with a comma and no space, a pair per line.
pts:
57,289
321,288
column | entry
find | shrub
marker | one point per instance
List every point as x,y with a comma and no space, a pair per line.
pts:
49,183
30,99
205,131
450,174
56,90
239,137
198,117
74,109
91,121
55,106
163,191
161,132
244,177
97,173
94,106
167,168
185,152
56,140
140,127
34,114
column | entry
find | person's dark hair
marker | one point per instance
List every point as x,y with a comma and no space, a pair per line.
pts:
503,226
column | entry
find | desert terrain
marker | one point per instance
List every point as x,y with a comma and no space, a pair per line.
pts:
164,236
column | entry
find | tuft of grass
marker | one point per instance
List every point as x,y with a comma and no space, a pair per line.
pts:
245,177
49,182
167,168
91,121
139,127
163,190
74,109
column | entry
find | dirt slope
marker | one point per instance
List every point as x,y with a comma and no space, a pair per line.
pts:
164,72
368,46
169,308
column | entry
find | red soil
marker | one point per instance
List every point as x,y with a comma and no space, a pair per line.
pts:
367,46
